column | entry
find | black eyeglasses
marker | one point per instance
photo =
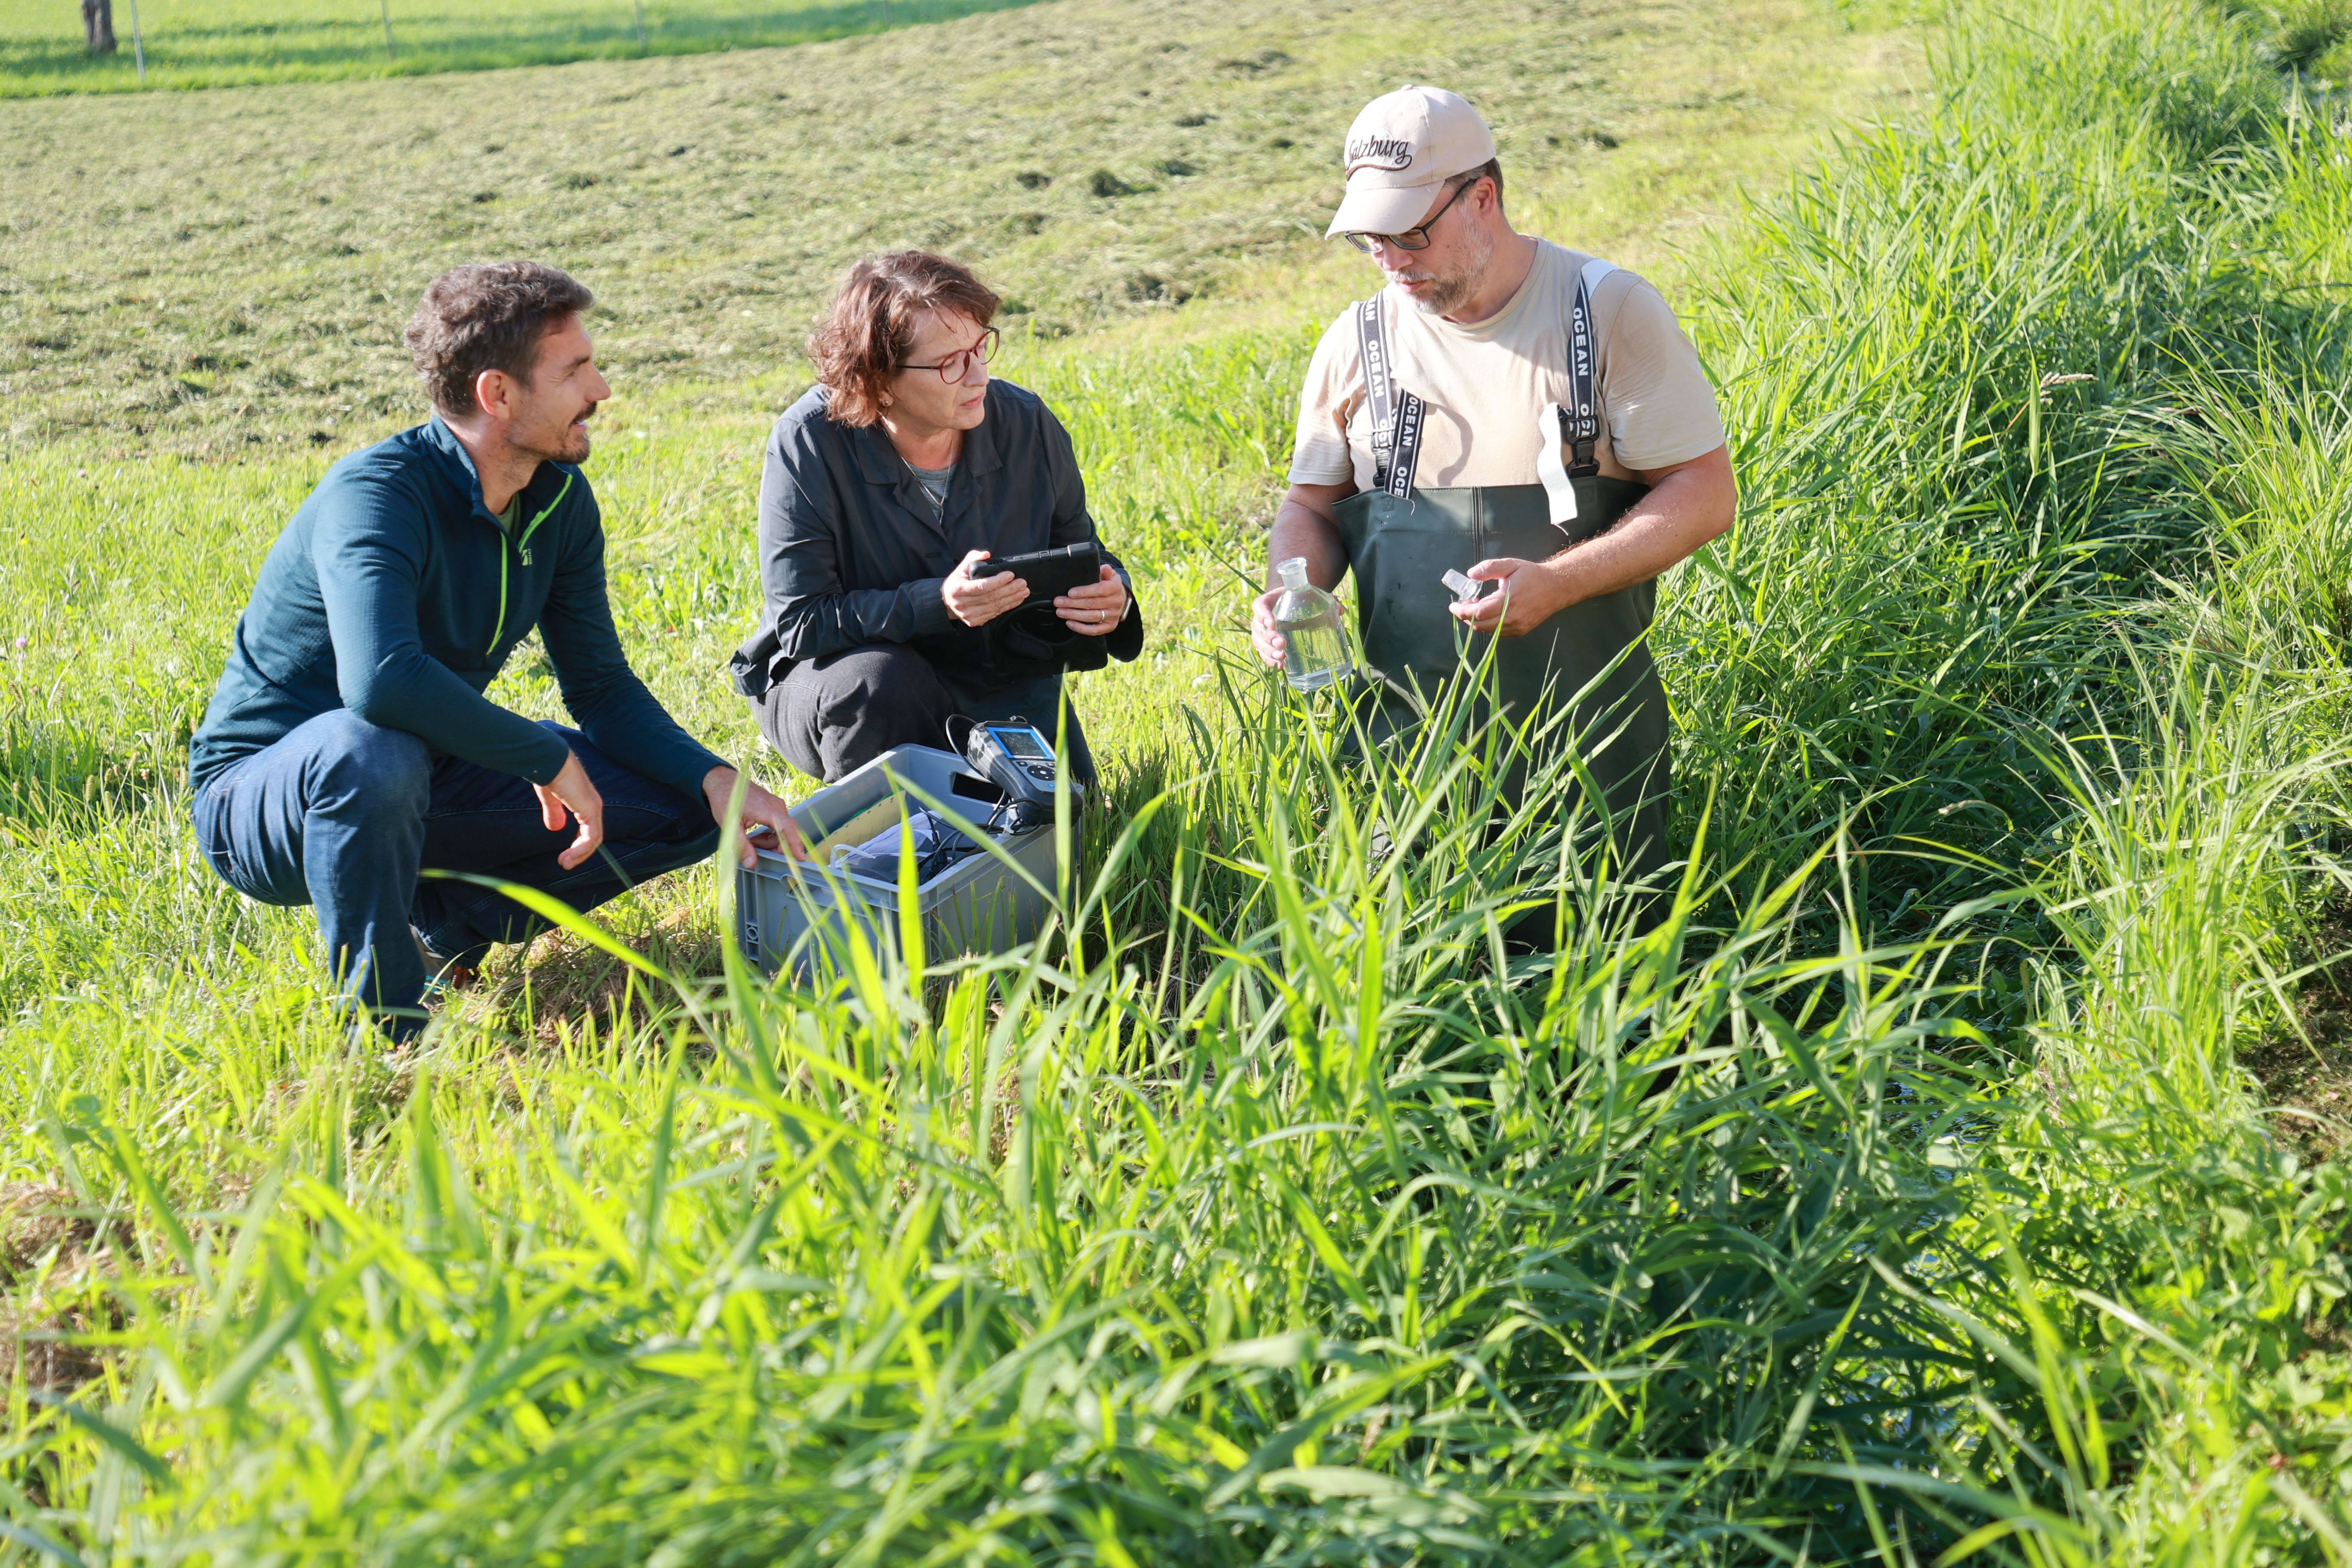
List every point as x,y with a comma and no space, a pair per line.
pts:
1416,239
958,365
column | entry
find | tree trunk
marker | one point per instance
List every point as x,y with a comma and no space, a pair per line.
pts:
98,25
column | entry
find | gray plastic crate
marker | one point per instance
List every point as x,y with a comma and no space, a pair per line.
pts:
786,909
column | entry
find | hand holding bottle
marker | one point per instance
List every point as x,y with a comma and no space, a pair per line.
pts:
1297,625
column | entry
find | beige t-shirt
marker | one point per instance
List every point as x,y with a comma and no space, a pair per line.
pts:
1487,385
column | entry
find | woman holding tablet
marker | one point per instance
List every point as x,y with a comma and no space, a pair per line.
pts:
891,489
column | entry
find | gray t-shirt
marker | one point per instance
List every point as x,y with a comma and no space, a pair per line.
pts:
935,482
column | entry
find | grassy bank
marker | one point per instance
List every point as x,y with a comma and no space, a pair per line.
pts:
1899,1198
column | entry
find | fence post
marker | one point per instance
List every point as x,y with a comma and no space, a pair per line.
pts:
386,4
641,25
138,45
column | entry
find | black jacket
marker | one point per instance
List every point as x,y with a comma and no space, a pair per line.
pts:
851,551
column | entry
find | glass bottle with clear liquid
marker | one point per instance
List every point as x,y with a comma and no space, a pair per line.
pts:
1314,650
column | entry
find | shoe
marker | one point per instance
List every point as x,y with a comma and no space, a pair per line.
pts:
443,976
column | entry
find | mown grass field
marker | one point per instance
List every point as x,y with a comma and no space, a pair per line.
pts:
201,273
223,43
1901,1199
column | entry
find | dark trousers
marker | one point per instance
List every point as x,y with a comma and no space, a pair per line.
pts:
343,815
832,715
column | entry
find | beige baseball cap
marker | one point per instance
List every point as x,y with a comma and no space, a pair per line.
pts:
1401,150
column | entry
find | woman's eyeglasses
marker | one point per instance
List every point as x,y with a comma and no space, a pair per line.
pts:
1413,238
958,365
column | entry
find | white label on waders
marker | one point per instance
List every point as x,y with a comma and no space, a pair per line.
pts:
1549,467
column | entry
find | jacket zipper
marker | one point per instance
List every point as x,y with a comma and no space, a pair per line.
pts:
523,547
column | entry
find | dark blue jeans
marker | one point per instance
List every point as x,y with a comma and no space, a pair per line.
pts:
343,815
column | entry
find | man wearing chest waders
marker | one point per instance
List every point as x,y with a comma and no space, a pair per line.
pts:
1525,415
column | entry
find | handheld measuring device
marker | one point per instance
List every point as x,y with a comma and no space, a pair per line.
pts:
1014,755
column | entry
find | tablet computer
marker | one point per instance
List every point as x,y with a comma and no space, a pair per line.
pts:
1047,572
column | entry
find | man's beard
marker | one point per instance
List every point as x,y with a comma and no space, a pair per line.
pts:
571,447
1448,294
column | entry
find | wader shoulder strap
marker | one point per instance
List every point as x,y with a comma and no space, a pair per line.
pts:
1396,417
1581,348
1572,431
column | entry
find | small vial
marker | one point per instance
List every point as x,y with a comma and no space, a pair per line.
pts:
1466,589
1314,650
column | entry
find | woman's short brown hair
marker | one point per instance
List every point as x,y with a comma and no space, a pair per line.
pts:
487,316
871,328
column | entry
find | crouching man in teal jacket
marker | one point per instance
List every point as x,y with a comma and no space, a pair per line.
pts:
348,746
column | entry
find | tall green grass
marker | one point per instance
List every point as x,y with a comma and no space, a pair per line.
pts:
1896,1197
1366,1239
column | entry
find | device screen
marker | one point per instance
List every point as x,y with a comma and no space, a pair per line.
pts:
1025,744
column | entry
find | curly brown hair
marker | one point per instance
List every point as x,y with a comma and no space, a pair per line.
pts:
488,315
871,328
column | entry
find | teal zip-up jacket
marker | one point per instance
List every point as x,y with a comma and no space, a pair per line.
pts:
394,592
